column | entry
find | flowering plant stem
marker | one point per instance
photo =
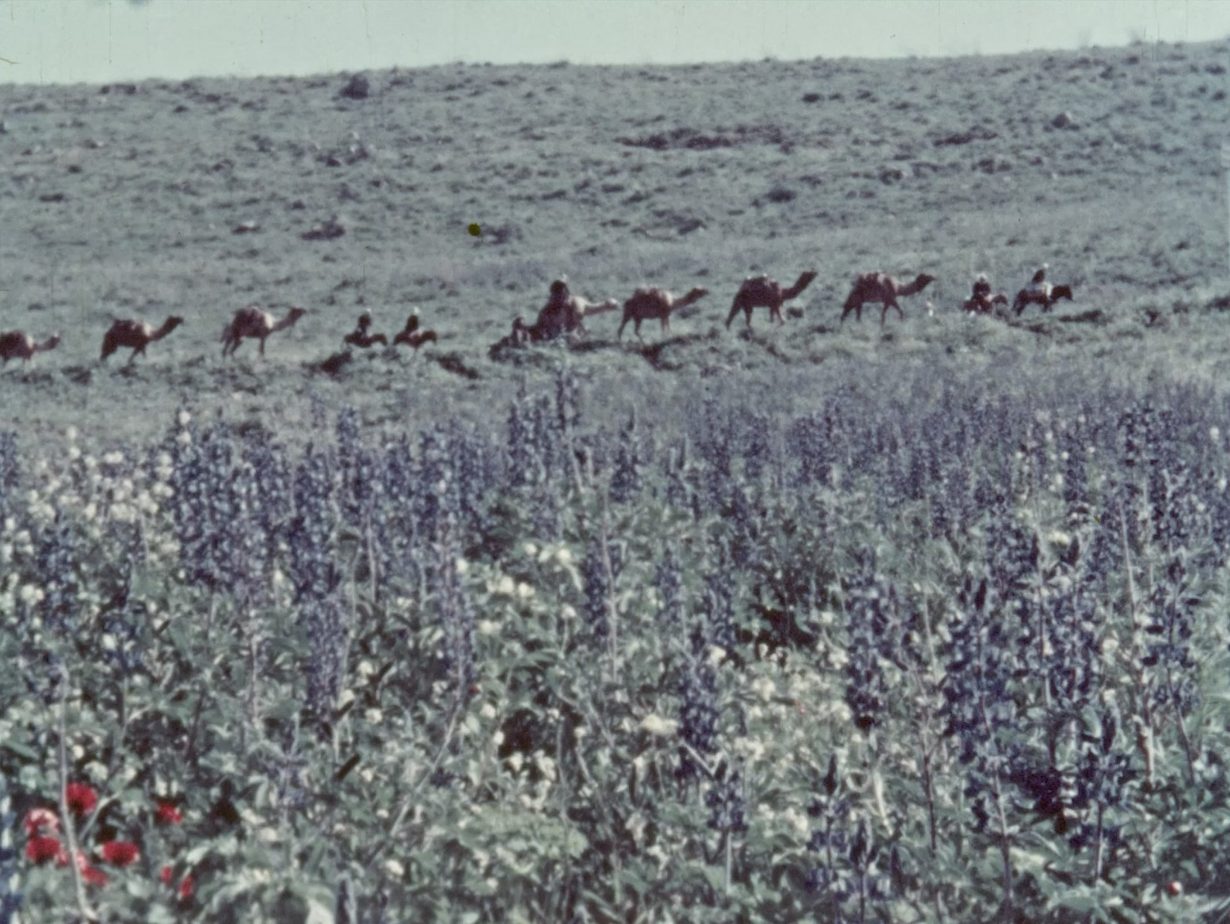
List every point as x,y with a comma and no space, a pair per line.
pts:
70,834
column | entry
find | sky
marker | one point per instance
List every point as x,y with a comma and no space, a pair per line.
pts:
101,41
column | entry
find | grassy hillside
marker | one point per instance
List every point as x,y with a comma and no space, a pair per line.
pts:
122,201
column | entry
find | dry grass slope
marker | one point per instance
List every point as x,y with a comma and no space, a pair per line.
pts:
195,199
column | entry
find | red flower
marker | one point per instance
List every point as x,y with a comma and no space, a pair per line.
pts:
39,820
120,853
187,885
81,798
167,813
40,850
92,875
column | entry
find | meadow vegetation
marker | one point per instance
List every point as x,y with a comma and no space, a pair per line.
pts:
803,622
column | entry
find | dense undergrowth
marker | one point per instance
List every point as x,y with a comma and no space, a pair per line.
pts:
950,651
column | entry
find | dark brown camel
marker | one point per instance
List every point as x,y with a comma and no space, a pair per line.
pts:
16,344
136,335
871,287
763,292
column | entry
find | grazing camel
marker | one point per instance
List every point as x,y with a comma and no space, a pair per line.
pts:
656,303
562,315
1045,295
870,287
252,322
411,336
763,292
16,344
135,334
361,338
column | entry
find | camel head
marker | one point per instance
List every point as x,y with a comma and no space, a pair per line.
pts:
295,313
805,279
51,342
923,280
559,288
698,292
172,322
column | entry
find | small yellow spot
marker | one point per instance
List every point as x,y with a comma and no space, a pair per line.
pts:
474,229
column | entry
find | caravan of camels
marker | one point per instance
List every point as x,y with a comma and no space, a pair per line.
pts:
564,314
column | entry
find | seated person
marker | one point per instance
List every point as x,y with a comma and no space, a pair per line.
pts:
361,338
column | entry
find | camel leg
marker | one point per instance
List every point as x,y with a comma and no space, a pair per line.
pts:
891,303
262,346
734,310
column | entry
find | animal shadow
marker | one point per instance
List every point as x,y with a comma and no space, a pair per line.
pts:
656,353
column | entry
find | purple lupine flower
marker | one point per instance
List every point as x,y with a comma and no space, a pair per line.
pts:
626,479
10,468
10,895
597,592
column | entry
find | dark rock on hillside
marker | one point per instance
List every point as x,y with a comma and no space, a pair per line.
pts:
358,87
974,134
333,365
325,231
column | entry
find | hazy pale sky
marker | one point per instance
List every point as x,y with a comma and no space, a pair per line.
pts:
97,41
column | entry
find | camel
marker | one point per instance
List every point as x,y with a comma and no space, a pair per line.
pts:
1045,295
15,344
763,292
252,322
648,303
135,334
869,287
411,336
562,315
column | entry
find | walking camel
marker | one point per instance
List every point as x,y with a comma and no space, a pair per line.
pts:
763,292
15,344
252,322
647,303
135,334
870,287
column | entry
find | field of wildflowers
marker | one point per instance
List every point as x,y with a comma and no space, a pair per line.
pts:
941,651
